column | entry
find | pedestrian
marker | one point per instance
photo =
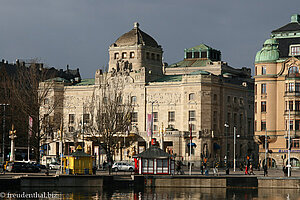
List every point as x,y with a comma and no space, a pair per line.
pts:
94,170
216,171
201,169
251,170
3,168
246,170
265,170
284,170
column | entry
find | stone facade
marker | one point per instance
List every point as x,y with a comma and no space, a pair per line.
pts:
181,96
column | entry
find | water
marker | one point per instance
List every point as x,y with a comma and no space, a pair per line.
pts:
152,193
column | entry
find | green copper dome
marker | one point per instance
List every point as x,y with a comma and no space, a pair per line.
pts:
269,52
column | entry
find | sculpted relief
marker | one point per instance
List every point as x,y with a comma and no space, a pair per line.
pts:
164,98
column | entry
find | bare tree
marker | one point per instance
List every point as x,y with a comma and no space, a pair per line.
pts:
112,112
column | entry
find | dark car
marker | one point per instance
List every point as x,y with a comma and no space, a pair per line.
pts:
22,167
40,165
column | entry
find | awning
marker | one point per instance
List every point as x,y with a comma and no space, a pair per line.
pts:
216,146
191,144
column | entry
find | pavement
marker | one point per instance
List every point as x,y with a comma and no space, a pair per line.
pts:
195,171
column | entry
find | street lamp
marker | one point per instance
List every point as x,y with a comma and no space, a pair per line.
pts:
3,134
226,133
152,118
234,144
12,145
82,131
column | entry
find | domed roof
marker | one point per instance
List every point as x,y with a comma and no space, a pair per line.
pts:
269,52
135,37
271,41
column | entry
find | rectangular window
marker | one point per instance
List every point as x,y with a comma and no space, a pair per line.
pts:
228,99
291,87
152,56
196,54
263,125
131,54
255,89
71,118
192,115
157,57
46,101
255,71
155,116
116,56
133,99
297,105
171,116
263,70
86,118
255,107
297,125
188,54
291,125
263,106
134,117
263,88
204,54
295,50
124,55
297,87
191,96
291,105
147,55
255,125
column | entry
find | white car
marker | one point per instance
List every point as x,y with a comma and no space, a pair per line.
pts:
54,165
122,166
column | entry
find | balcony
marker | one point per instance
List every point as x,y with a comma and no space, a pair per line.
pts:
292,76
292,94
292,112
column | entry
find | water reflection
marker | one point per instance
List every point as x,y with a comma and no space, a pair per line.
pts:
163,193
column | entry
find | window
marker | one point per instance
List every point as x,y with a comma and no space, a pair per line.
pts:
46,101
131,54
134,117
191,96
234,99
158,57
86,118
241,101
263,106
295,144
204,54
255,89
133,99
155,128
171,116
228,99
147,55
255,71
228,118
293,70
71,129
255,125
196,54
215,97
297,105
124,55
152,56
192,115
291,125
295,50
155,116
291,87
263,125
71,118
104,100
291,105
263,70
192,127
188,54
263,88
297,87
255,107
116,56
297,125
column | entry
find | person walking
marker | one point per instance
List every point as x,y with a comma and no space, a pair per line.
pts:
246,170
265,170
251,170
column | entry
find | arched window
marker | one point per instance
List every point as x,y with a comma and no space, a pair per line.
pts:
294,162
271,163
293,70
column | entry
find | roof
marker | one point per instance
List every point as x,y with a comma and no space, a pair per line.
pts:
135,37
196,62
169,78
201,46
88,81
294,26
58,79
80,154
284,45
153,152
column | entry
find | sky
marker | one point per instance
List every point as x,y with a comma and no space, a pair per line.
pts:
79,32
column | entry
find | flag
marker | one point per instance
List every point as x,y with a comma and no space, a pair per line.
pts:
191,137
30,126
149,125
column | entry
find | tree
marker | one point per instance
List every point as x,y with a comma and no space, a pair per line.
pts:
112,111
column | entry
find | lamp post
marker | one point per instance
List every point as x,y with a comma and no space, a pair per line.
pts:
3,133
234,144
82,132
12,144
226,133
152,118
289,145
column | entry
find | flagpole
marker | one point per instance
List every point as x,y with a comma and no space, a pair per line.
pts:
190,171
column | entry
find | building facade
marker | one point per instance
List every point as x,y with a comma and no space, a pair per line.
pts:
200,94
277,100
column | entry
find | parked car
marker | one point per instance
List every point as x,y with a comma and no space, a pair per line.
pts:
40,165
122,166
22,167
54,165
